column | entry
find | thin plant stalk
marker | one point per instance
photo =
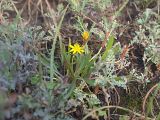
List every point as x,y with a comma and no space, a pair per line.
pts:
53,45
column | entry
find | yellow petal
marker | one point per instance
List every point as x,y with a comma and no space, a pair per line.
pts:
71,46
74,52
76,45
71,50
85,35
82,50
76,48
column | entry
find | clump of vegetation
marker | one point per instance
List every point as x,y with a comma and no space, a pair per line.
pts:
90,59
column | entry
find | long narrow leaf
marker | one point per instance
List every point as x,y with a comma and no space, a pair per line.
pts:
53,45
108,47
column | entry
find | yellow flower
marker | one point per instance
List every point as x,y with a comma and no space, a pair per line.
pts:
85,35
76,48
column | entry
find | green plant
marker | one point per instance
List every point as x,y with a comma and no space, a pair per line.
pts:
78,67
105,68
149,34
11,52
72,65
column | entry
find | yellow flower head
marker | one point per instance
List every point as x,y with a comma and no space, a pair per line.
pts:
85,35
76,48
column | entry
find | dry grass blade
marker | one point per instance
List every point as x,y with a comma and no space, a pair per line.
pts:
145,98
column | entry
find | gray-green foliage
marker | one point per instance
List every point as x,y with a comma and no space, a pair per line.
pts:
75,5
12,51
149,34
6,5
102,4
105,72
82,96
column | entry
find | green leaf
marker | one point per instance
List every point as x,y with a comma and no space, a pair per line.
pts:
117,48
67,61
43,59
158,116
83,65
51,85
5,54
101,113
108,47
90,82
35,79
118,78
57,32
